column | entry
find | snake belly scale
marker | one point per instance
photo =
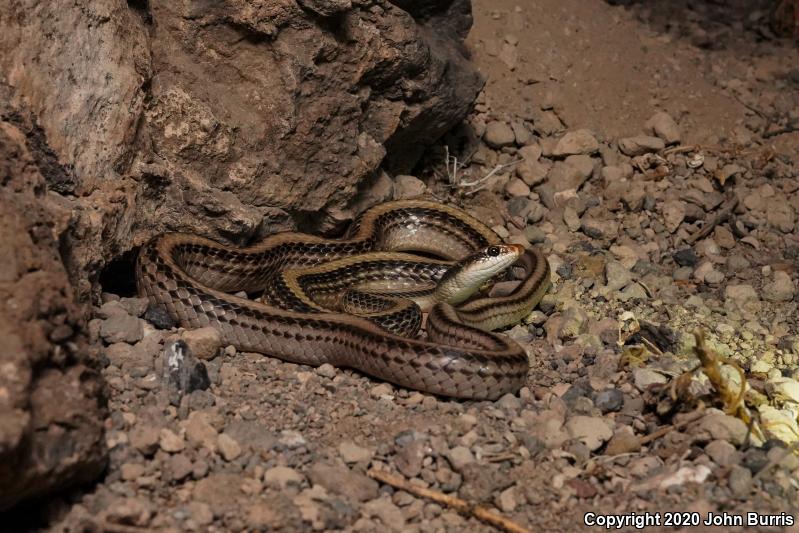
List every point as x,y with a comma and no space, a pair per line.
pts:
191,278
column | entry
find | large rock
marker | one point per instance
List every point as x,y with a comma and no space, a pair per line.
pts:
218,118
121,120
51,400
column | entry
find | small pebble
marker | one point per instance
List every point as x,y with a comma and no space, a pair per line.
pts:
499,134
204,343
170,442
352,453
609,400
228,447
327,371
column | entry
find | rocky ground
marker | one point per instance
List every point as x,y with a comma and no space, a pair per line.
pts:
671,209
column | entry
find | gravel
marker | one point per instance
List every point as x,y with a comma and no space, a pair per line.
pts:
204,343
499,134
631,234
641,144
576,142
664,126
408,187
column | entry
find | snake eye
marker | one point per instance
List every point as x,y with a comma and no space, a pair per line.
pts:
493,251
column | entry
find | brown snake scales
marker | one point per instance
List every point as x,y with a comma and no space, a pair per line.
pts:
191,277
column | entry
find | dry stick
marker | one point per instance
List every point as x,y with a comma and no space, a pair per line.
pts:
501,457
768,118
790,128
774,133
697,148
655,435
452,175
651,346
681,149
752,108
722,215
490,174
462,506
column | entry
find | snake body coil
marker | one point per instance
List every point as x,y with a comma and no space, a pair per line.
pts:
191,277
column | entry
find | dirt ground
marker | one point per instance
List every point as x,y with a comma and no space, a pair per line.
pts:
647,241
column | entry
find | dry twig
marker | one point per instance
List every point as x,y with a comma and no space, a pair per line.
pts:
655,435
479,512
721,216
787,129
481,181
681,149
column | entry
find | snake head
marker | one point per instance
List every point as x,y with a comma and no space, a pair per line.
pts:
466,276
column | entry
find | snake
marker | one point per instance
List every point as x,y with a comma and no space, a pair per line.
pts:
199,282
